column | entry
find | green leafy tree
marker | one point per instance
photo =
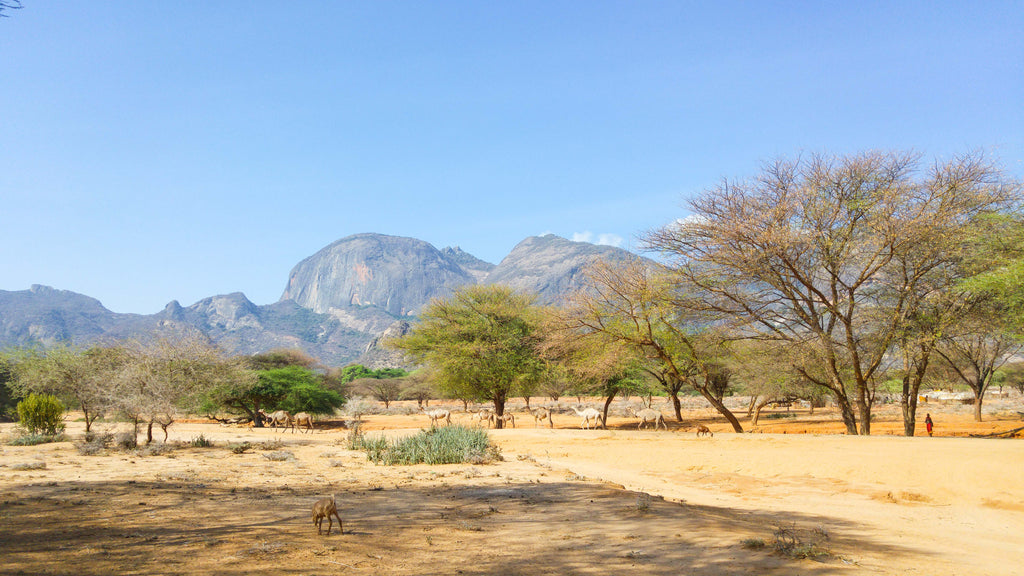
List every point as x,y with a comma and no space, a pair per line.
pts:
306,392
9,396
481,343
292,388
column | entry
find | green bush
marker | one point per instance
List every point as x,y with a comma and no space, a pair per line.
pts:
201,442
41,414
35,439
445,445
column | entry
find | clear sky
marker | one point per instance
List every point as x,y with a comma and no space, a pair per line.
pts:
158,151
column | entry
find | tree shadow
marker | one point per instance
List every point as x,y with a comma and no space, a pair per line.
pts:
488,527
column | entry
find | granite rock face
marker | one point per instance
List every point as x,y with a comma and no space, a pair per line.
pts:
394,274
341,305
551,266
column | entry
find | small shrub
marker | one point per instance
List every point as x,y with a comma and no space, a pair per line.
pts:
753,543
201,442
126,441
35,439
41,414
790,542
37,465
240,448
279,456
158,450
94,443
275,444
779,415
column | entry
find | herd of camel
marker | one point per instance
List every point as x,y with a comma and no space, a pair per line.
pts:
590,416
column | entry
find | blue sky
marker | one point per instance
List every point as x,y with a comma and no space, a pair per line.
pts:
158,151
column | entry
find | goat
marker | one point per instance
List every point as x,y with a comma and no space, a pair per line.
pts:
702,429
325,508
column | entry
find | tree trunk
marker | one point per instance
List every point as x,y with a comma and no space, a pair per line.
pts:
499,411
849,418
977,404
604,416
750,407
527,400
757,411
677,406
149,433
736,426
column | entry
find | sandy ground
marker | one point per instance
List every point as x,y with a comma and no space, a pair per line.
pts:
563,501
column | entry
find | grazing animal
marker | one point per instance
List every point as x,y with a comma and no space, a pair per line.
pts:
589,414
702,429
649,415
506,418
539,415
281,417
485,417
325,508
437,414
302,419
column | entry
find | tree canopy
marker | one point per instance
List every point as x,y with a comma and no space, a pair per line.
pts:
481,343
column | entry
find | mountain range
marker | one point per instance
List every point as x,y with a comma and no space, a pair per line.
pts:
338,305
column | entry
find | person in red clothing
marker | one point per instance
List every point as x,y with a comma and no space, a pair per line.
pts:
928,423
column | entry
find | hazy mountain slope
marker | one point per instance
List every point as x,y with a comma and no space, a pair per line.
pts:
550,266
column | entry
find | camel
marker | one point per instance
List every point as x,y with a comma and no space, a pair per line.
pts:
589,414
437,414
302,419
649,415
506,418
281,417
539,415
485,417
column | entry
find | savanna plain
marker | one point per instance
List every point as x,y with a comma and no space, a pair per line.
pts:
796,496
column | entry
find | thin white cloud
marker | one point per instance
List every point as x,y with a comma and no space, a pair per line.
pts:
606,239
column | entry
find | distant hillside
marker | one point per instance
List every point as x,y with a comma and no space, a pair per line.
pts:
340,304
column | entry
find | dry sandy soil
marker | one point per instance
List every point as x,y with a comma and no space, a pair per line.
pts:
563,501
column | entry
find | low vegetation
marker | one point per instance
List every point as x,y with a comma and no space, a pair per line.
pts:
445,445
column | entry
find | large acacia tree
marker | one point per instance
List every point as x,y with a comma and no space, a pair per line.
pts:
480,343
829,253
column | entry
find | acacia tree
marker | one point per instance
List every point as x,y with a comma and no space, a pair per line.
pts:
593,363
828,254
167,376
633,304
480,343
81,377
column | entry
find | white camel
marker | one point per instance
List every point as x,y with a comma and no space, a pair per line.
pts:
649,415
437,414
589,414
